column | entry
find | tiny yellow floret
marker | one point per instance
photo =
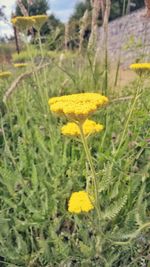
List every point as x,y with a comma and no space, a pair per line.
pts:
89,127
80,202
5,74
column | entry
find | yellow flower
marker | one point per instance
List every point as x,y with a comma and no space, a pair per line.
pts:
80,202
39,20
89,127
20,65
5,74
23,23
140,67
77,107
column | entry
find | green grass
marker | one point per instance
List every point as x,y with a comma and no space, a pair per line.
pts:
40,168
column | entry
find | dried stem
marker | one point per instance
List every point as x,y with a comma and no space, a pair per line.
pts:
84,25
96,6
66,36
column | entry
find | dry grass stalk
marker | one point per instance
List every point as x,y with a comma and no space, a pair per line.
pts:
22,8
66,36
96,7
84,25
106,5
106,15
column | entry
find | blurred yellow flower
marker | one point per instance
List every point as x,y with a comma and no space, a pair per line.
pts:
140,68
80,202
89,127
39,21
77,107
5,74
20,65
23,23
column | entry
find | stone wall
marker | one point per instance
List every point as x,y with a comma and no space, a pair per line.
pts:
129,37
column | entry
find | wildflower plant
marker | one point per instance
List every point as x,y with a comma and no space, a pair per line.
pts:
77,108
23,23
39,21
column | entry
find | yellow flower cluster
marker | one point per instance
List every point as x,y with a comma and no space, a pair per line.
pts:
89,127
25,22
39,20
140,66
77,107
5,74
80,202
20,65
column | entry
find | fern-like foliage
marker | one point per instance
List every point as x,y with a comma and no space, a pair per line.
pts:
115,208
106,179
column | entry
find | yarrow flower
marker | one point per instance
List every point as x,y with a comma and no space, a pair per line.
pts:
5,74
20,65
80,202
89,127
77,107
140,67
23,23
39,21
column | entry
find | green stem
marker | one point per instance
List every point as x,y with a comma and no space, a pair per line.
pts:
40,44
106,71
94,179
117,72
128,120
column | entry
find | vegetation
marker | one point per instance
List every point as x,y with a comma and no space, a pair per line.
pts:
42,171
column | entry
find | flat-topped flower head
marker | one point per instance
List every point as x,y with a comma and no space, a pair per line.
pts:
5,74
89,127
80,98
140,68
39,21
80,202
23,23
20,65
77,107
